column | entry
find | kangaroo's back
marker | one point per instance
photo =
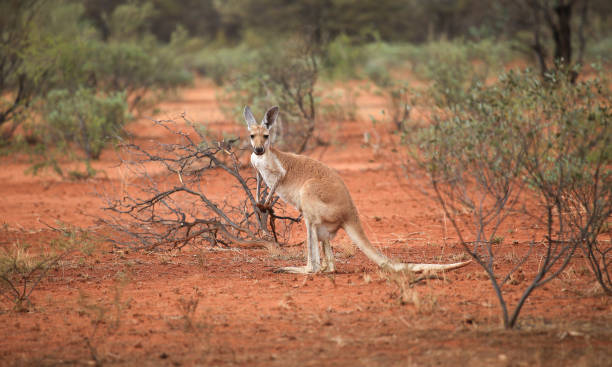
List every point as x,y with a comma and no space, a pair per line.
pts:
323,184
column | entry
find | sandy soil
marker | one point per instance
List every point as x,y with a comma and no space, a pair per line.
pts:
213,306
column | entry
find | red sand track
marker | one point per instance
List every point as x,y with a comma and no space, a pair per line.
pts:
125,308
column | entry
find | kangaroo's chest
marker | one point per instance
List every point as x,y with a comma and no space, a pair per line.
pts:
273,173
269,167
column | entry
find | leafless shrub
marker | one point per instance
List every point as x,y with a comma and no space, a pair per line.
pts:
23,266
165,200
599,256
22,270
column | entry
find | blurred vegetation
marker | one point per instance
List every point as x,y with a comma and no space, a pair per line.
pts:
65,89
137,50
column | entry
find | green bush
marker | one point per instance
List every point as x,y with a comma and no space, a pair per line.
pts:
600,51
133,61
457,67
58,50
85,119
342,59
223,64
136,69
79,83
523,145
18,84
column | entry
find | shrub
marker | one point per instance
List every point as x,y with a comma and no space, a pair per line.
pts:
21,270
85,119
17,86
138,70
600,51
518,146
341,59
81,84
55,49
223,64
133,61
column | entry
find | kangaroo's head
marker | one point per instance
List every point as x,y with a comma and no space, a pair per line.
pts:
260,133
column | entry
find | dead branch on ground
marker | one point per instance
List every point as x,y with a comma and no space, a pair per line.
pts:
167,201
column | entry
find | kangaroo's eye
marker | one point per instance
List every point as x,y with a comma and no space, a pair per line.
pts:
252,136
266,136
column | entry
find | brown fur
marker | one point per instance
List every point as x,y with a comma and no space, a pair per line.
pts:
319,193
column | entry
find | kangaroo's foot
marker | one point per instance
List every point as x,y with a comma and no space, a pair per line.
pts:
297,270
327,267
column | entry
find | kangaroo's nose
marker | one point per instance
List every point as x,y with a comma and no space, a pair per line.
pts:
259,150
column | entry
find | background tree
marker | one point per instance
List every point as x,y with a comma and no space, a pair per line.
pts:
557,21
17,38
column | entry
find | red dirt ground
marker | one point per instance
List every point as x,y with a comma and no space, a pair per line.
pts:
227,307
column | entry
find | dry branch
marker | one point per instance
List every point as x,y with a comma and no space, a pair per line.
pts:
167,201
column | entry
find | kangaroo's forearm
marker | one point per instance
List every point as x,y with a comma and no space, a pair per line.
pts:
258,186
271,193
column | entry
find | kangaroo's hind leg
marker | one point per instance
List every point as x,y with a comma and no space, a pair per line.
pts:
313,264
329,260
314,259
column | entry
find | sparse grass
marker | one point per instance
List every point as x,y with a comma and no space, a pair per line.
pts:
167,258
105,317
424,302
459,257
188,307
22,269
24,265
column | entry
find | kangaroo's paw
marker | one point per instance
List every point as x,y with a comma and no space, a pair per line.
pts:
325,268
264,208
296,270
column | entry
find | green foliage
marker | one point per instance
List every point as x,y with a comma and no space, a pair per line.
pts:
223,64
17,87
284,74
523,144
600,51
453,67
440,60
58,58
342,58
130,21
136,69
87,119
457,67
379,56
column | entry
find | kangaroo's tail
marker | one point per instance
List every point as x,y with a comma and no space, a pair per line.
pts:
356,233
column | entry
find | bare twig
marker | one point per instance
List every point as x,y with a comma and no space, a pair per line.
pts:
167,204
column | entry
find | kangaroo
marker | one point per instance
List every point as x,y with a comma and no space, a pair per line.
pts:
319,193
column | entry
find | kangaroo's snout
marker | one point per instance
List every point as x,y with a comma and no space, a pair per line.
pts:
259,150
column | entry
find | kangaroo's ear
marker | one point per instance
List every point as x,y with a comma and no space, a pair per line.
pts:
248,117
270,117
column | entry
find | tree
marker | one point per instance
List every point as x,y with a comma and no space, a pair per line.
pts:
556,21
17,87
